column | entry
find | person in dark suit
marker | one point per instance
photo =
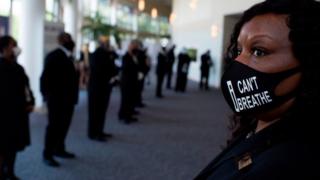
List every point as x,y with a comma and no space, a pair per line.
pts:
206,63
143,69
271,83
171,60
59,87
102,74
182,71
161,70
129,83
16,102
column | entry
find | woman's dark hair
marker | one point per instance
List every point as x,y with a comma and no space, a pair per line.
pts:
5,41
304,24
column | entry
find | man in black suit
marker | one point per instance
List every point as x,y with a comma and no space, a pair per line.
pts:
102,74
206,63
161,70
171,60
129,83
59,87
143,69
182,71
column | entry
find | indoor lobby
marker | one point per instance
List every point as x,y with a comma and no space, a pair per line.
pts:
177,135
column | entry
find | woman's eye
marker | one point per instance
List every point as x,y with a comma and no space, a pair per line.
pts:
259,52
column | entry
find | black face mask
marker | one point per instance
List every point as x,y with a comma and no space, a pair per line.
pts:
69,45
250,92
135,51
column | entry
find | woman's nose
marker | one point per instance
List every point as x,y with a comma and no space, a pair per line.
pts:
242,58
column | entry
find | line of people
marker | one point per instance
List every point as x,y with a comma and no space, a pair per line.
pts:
166,60
59,86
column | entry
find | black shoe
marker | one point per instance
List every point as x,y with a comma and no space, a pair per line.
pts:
141,105
98,138
64,154
128,120
11,177
135,112
106,135
159,96
51,162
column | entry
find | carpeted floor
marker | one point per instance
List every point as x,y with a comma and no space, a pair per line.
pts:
175,138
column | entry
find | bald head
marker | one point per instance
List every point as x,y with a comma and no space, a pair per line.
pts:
65,40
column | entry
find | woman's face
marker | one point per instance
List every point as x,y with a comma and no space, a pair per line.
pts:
263,45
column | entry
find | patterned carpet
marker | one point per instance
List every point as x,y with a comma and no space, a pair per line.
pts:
174,139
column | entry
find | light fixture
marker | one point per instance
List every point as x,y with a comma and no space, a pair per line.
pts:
214,31
172,17
154,13
141,5
193,4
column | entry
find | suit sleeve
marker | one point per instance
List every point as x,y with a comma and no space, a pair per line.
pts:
44,79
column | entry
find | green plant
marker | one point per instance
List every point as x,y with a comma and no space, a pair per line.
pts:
95,27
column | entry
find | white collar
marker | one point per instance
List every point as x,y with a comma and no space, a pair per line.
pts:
66,51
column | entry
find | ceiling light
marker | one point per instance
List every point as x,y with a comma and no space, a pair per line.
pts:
154,13
141,5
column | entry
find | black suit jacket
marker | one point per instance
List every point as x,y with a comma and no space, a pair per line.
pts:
102,69
162,64
184,60
275,153
129,73
59,80
13,102
206,63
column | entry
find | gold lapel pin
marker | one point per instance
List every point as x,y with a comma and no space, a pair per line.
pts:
244,161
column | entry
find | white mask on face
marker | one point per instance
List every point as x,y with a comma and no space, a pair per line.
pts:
17,51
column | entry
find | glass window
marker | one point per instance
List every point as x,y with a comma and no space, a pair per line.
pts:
105,10
143,22
5,8
90,7
125,17
164,26
156,26
52,10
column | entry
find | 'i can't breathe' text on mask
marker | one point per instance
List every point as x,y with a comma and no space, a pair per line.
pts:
249,91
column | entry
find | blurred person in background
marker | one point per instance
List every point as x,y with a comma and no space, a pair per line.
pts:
182,70
16,102
144,68
206,64
84,66
59,85
102,76
161,70
129,83
171,60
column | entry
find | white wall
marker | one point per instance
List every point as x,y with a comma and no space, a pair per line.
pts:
192,28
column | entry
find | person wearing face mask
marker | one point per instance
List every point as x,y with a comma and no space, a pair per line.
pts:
182,70
271,84
102,74
129,83
206,63
59,87
161,70
16,102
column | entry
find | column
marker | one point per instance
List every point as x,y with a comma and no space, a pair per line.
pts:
72,19
31,35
